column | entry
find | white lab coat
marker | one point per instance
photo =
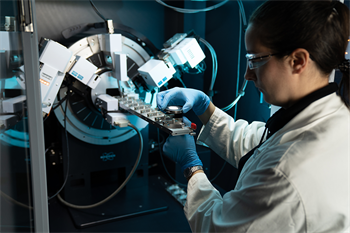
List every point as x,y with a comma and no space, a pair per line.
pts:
297,181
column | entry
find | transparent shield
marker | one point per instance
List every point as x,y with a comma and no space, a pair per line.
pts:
16,211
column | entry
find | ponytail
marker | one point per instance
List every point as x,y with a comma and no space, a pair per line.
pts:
344,89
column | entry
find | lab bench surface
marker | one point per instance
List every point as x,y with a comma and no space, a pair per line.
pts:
159,212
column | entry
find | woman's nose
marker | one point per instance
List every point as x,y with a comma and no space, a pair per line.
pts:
249,74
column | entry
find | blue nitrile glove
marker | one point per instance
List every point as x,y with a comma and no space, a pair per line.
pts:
182,149
186,97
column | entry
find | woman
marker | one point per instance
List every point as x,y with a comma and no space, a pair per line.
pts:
294,170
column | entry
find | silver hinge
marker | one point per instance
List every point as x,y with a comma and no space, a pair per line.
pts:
110,27
26,15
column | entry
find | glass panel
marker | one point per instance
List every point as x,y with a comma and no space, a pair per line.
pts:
16,212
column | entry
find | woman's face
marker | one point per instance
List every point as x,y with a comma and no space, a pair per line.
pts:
271,78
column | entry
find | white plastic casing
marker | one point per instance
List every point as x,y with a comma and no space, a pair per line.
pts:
120,66
188,50
55,58
110,42
156,72
50,83
107,102
83,70
13,105
55,55
115,118
178,56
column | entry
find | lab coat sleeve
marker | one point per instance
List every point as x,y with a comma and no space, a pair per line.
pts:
229,139
269,204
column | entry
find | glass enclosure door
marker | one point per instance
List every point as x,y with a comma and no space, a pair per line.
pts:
17,184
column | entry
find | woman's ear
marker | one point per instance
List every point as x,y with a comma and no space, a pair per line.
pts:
299,60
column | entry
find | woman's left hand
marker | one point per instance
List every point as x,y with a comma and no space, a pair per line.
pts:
182,149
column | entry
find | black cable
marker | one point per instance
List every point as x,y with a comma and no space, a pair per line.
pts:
159,145
162,142
65,130
97,11
60,102
46,117
101,111
54,107
120,187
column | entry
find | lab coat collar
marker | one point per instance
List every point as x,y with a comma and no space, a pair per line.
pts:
283,116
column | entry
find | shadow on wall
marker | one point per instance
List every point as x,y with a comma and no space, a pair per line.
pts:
146,17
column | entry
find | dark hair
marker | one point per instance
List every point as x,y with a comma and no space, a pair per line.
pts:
320,27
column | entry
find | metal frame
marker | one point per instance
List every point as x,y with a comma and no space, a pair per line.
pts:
36,128
85,48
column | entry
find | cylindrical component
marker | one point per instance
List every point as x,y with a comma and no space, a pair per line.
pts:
176,110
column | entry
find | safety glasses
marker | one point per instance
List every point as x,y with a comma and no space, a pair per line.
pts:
256,60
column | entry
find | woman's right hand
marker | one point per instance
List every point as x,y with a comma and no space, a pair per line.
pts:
186,97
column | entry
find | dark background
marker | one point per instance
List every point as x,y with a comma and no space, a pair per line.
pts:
219,27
